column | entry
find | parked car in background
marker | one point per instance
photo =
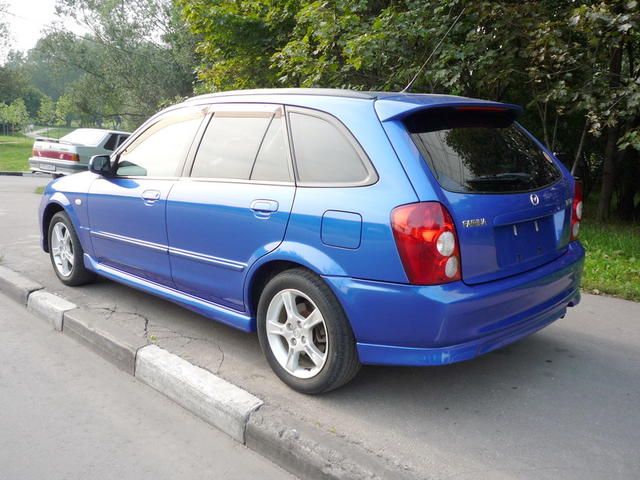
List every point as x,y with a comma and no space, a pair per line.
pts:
346,227
71,153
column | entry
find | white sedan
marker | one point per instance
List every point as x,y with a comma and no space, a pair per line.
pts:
71,153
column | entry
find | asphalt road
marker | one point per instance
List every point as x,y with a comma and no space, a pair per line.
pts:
562,403
66,413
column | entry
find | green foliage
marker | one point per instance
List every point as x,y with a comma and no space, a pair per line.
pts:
65,110
47,111
14,115
137,55
572,64
238,40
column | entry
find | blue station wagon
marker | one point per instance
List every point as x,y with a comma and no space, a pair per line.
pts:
345,227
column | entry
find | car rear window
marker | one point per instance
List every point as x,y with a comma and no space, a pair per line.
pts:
480,151
85,136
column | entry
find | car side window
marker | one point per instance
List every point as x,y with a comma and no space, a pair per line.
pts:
323,153
272,162
121,139
112,142
160,149
230,145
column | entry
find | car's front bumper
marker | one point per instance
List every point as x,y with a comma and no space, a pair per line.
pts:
398,324
55,167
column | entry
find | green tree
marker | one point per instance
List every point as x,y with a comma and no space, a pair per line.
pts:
16,114
47,111
65,110
137,55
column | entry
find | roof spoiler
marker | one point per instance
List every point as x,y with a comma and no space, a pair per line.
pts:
397,108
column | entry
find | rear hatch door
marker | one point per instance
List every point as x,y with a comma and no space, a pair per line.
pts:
509,199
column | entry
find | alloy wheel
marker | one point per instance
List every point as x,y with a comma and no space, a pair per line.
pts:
297,333
62,249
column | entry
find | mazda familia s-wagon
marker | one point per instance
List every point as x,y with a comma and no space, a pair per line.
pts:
345,227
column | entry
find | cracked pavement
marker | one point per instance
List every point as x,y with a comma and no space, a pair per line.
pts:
562,403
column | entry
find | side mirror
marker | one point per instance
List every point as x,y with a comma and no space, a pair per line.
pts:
100,164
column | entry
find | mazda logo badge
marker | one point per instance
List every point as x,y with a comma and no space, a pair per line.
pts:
534,199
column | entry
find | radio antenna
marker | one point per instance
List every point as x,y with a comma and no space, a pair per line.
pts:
420,70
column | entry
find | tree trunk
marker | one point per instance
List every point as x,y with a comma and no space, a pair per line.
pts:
578,157
608,172
630,165
613,133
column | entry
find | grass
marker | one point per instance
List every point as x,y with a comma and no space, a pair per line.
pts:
612,263
39,190
15,151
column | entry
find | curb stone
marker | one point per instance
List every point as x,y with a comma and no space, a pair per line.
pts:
16,286
311,453
20,174
301,448
107,339
213,399
50,307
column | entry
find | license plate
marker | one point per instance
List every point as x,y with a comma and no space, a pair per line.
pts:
45,166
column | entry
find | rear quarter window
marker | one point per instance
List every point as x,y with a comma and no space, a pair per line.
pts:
480,152
326,154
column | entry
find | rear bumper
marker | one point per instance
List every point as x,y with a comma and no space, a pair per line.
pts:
397,324
60,167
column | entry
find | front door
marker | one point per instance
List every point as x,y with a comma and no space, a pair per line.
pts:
235,205
127,211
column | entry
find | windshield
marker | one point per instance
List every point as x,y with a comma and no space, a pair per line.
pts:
481,152
85,136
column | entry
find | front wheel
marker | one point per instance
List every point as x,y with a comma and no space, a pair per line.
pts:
305,334
65,251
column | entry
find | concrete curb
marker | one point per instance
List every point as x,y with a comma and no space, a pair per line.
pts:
50,307
110,341
311,453
5,173
211,398
300,448
16,286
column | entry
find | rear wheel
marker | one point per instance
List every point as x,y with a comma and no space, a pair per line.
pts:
305,334
65,251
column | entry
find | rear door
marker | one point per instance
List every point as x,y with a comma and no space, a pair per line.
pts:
234,204
508,198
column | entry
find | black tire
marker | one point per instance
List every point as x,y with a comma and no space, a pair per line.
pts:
342,362
78,275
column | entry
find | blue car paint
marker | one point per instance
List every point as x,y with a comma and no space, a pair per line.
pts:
136,243
393,322
214,267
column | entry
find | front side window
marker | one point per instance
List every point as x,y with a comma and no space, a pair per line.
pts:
480,152
160,150
324,155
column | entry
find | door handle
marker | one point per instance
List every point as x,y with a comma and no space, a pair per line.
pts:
150,196
264,206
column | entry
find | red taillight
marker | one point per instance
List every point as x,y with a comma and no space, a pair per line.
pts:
427,242
73,157
576,210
